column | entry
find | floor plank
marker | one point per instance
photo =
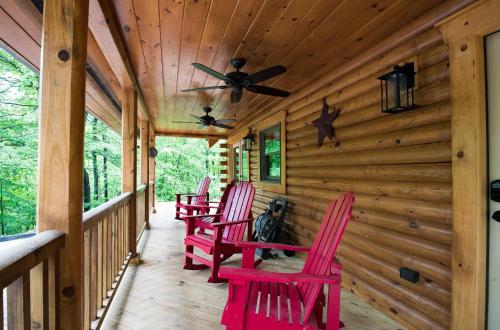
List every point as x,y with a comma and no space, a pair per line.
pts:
159,294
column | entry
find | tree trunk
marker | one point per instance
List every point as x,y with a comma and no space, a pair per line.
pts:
105,175
94,161
86,190
1,209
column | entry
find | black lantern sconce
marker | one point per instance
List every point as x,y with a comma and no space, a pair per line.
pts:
152,152
248,140
396,89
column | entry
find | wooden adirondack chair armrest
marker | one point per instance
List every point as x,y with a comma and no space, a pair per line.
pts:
189,217
231,223
198,206
192,195
183,194
241,274
277,246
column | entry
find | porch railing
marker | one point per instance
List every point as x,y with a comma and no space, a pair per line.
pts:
106,256
141,210
29,269
29,294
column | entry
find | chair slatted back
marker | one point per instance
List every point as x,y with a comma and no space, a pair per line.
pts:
202,191
238,207
325,245
225,196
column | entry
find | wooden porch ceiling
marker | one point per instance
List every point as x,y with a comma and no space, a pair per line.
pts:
310,38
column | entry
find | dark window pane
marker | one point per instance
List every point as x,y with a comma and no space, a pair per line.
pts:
244,165
236,167
270,154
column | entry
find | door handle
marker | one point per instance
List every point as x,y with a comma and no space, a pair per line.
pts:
496,216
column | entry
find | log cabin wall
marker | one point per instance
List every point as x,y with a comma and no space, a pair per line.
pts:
399,167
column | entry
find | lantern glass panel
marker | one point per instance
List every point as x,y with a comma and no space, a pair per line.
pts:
391,91
403,91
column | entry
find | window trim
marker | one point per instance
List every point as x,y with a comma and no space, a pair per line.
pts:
273,120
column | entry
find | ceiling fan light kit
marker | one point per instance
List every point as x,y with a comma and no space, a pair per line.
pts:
208,120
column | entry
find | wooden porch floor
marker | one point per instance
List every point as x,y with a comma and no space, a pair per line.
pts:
159,294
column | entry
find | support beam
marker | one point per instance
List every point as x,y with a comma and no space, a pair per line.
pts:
145,166
152,167
129,160
60,155
191,135
106,31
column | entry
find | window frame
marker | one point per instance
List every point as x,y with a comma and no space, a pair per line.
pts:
276,186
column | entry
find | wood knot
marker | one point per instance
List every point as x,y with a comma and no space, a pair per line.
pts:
68,292
460,154
463,47
63,55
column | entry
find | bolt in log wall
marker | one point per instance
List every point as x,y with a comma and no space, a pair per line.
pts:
399,167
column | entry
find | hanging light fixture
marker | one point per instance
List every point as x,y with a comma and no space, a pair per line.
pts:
396,89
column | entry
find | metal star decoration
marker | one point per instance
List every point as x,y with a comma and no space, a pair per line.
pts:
324,123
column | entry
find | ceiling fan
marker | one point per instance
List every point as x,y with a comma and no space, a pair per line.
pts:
208,120
238,80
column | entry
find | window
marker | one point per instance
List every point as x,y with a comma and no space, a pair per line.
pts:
270,154
240,159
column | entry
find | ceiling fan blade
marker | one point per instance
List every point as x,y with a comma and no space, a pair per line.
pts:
266,74
222,125
267,90
211,72
185,122
226,121
236,95
204,88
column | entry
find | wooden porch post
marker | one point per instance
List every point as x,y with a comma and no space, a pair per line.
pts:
152,166
145,167
129,160
464,34
60,152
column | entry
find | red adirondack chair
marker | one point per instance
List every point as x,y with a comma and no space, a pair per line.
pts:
228,228
198,198
304,290
204,223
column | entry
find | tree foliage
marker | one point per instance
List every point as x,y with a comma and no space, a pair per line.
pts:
180,163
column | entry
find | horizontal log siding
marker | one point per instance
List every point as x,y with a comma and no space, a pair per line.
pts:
399,167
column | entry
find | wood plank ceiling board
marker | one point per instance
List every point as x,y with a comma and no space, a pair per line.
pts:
244,14
379,20
125,12
268,14
218,18
148,23
21,33
193,28
310,38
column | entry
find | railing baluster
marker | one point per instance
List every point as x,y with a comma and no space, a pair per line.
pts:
26,301
45,295
100,264
93,274
1,309
15,305
86,279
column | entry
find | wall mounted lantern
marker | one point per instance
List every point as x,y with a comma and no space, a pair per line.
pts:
248,140
153,152
396,89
